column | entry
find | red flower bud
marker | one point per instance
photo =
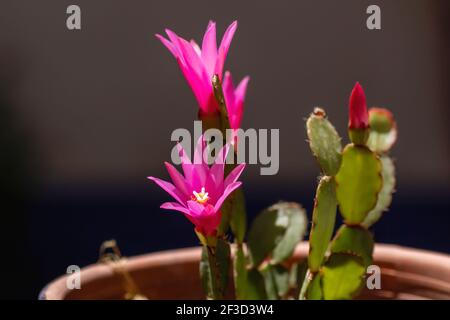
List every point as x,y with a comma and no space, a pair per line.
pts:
358,116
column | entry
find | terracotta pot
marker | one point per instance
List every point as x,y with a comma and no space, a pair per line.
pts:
406,274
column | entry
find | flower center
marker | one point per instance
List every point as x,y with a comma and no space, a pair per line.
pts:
200,197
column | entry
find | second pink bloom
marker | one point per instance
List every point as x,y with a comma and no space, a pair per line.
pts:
199,64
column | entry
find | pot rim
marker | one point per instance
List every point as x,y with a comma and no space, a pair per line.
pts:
428,268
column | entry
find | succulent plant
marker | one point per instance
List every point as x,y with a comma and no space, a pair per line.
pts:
359,180
272,239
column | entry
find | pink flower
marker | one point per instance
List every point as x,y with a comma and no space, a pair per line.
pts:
201,191
358,115
234,99
200,64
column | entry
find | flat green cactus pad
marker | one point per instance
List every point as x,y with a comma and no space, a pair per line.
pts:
324,216
354,240
238,220
342,276
205,274
276,278
275,232
385,195
240,273
358,183
223,263
324,141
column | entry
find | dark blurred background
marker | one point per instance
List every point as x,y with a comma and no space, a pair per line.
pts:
86,116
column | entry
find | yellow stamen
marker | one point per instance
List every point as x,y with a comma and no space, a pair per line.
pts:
200,197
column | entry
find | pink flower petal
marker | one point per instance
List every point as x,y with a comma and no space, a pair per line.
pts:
168,45
209,48
210,220
177,179
229,189
201,167
185,163
205,218
228,92
173,37
192,59
241,89
202,94
234,175
217,169
175,206
223,49
197,49
195,208
199,178
169,188
199,150
192,69
239,96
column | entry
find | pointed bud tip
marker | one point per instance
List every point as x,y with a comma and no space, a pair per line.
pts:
357,92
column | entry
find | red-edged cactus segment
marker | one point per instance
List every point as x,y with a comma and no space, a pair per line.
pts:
358,183
342,276
323,220
354,240
324,141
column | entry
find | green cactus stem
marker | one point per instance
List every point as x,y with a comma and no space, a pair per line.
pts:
355,240
314,289
323,220
219,260
359,136
249,283
324,141
342,276
238,221
218,94
240,273
358,183
205,274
